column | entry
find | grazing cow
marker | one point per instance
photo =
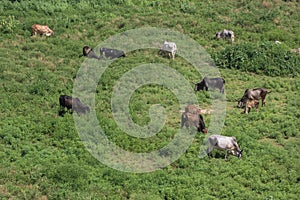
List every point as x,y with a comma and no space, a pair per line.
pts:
73,103
189,119
224,143
111,53
251,104
225,34
169,47
193,109
41,30
257,93
211,83
89,53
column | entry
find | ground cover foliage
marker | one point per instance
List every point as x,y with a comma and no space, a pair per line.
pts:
41,154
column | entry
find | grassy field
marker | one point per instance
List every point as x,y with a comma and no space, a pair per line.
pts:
41,153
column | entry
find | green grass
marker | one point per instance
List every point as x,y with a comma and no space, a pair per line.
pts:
41,154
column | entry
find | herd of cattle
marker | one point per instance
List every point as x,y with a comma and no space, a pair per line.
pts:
192,115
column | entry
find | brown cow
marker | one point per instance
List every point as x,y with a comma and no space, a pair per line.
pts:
250,94
193,109
190,119
251,104
41,30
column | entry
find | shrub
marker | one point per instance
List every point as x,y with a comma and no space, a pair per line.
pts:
8,24
266,58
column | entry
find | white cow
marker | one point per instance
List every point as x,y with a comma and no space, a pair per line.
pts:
224,143
169,47
225,34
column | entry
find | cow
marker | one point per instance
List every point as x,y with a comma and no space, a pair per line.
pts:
89,53
224,143
256,93
167,48
225,34
111,53
73,103
189,119
206,83
251,104
193,109
41,30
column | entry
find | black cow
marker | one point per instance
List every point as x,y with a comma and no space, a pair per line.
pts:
206,83
72,103
251,94
189,119
104,53
89,52
111,53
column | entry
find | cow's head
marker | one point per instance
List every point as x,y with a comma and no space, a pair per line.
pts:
199,86
240,103
239,155
48,31
202,127
86,50
218,35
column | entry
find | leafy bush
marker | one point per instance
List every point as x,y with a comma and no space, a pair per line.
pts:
266,58
8,24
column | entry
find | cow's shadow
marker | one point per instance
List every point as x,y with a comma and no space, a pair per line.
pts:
62,112
217,155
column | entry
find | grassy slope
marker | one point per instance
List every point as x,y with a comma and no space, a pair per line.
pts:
41,153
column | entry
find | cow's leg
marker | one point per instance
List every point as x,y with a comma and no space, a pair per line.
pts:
263,102
226,154
209,150
61,111
182,122
246,110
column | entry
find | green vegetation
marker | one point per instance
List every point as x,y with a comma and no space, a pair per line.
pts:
41,154
265,58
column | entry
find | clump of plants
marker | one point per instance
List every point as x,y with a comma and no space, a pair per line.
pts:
8,24
265,58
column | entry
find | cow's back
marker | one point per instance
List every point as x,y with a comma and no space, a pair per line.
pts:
221,142
192,109
41,29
